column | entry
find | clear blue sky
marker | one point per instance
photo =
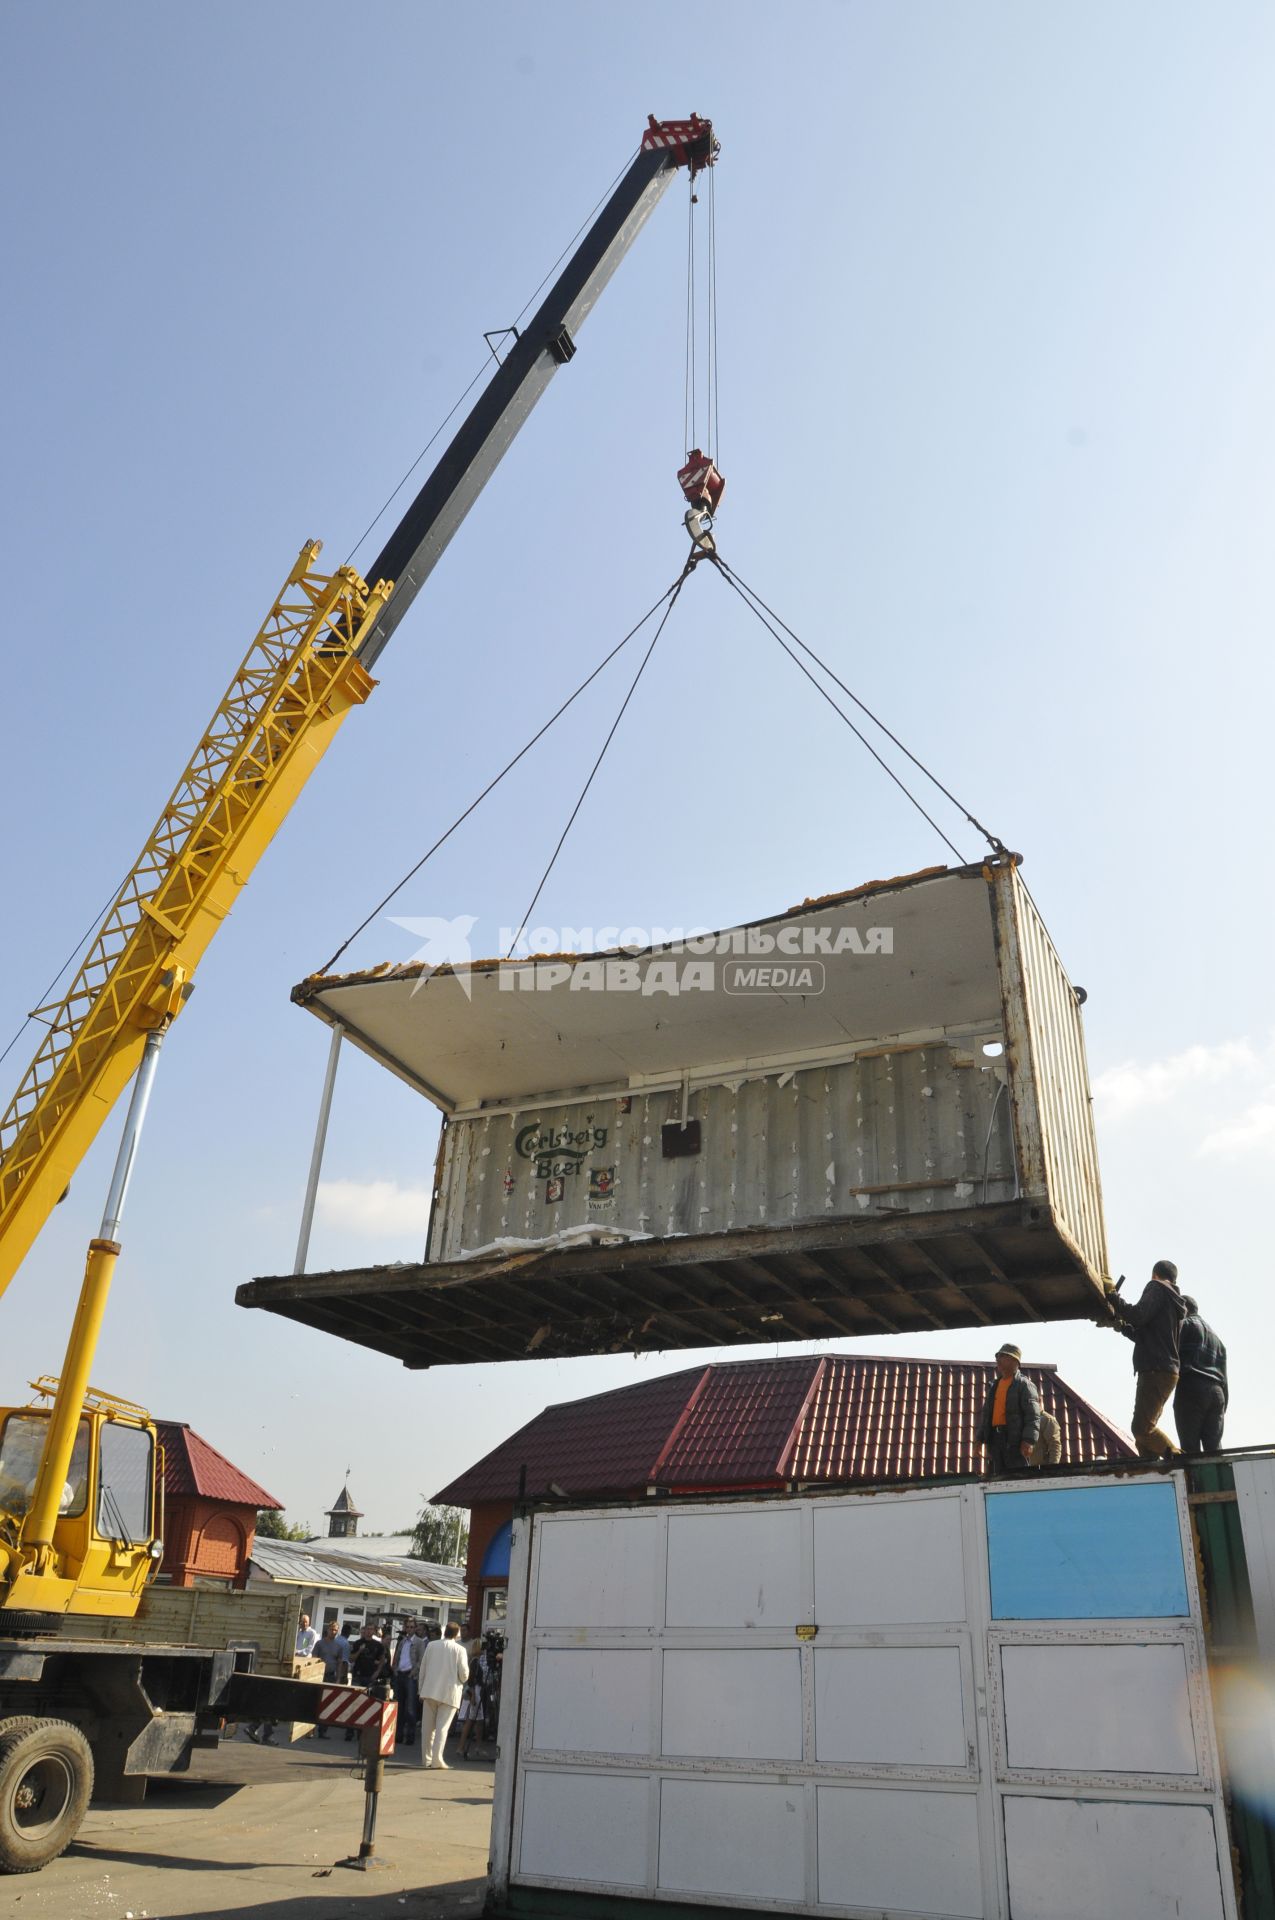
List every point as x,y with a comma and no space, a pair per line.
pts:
998,418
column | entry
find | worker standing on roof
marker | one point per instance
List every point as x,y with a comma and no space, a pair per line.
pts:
1154,1324
1010,1420
1199,1404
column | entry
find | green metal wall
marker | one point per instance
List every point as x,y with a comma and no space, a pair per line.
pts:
1233,1660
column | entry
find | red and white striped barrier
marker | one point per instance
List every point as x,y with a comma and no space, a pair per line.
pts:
347,1707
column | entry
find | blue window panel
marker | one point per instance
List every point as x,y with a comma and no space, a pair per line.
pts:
496,1559
1086,1553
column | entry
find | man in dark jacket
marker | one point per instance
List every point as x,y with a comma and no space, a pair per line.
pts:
1154,1324
1199,1405
1010,1420
369,1659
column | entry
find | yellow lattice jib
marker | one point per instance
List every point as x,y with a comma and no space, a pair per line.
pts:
297,682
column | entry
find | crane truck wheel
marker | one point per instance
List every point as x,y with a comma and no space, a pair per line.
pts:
46,1780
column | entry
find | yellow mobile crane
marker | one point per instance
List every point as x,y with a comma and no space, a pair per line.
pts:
79,1508
61,1550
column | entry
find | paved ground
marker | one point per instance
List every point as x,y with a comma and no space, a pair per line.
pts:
257,1829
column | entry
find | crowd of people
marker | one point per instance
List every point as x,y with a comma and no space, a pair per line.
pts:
437,1678
1176,1356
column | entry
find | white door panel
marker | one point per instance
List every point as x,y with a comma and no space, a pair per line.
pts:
889,1562
894,1706
740,1569
734,1703
597,1572
725,1837
1125,1860
592,1700
584,1826
1108,1709
900,1852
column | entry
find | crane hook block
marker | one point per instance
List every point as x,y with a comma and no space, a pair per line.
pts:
701,483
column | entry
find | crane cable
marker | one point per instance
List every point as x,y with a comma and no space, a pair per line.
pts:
753,600
708,270
81,943
485,368
667,600
693,559
688,397
715,410
772,622
669,595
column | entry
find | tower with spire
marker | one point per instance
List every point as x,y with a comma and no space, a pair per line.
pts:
343,1515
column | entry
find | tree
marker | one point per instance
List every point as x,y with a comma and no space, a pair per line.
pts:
274,1526
440,1534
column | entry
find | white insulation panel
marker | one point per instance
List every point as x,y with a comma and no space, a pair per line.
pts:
598,1573
736,1569
900,1852
1111,1860
584,1826
593,1700
732,1837
732,1702
1090,1709
890,1561
895,1706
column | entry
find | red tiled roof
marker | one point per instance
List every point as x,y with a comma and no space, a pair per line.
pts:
605,1444
742,1425
908,1419
751,1423
192,1466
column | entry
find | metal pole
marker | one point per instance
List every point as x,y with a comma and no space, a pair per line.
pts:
124,1159
373,1783
99,1269
316,1157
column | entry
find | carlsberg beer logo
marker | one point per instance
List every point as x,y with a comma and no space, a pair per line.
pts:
558,1150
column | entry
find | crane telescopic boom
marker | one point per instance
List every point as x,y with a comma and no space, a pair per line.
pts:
307,667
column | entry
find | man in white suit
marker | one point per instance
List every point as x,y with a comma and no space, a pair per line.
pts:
443,1672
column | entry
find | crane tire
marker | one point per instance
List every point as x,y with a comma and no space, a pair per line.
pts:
46,1782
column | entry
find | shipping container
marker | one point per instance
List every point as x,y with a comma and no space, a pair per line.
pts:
870,1113
968,1701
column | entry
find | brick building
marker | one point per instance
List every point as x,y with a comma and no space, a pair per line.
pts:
210,1512
819,1420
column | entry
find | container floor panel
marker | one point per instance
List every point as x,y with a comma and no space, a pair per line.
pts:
830,1279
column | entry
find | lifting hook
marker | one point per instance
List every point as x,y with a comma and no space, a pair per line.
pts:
702,487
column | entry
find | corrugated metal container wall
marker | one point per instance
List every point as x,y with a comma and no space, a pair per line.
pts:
910,1131
1049,1074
